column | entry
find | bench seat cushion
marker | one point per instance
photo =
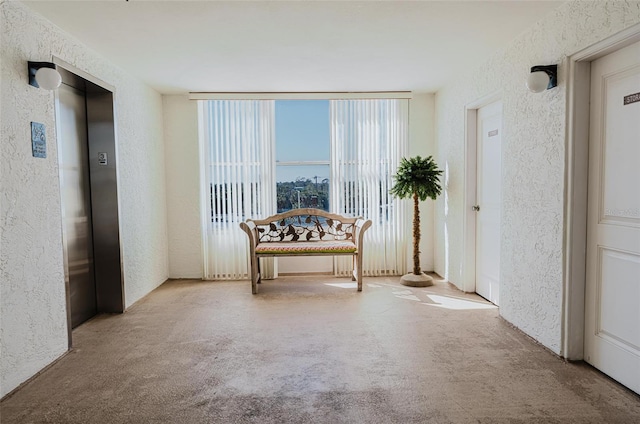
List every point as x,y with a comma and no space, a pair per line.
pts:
306,247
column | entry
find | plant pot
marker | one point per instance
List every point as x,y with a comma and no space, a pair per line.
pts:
413,280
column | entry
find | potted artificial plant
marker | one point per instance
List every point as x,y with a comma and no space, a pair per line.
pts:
418,178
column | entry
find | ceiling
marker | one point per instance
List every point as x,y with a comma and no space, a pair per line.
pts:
308,46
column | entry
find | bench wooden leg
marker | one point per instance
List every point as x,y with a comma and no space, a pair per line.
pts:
355,267
358,259
255,274
259,276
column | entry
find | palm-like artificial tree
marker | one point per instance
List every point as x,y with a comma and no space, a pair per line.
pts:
419,178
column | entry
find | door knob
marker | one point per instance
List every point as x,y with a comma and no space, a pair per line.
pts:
476,208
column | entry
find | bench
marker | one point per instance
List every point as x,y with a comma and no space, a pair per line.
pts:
305,232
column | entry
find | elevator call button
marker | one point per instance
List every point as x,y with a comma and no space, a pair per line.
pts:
102,158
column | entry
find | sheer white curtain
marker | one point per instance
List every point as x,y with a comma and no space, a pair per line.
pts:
237,141
368,139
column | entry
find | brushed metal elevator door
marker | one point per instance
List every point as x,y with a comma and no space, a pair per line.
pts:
76,204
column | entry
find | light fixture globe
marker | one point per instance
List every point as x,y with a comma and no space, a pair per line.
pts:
537,82
542,77
48,78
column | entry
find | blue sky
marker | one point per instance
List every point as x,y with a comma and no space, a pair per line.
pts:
302,133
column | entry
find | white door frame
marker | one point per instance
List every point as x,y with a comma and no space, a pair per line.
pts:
575,199
468,283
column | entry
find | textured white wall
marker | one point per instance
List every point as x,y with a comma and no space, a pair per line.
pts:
33,328
183,186
183,182
422,142
533,162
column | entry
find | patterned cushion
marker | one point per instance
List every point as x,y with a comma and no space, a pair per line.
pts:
306,247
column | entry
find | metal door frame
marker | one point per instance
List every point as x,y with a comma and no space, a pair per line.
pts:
109,297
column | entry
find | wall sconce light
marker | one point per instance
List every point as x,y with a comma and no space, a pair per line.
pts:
44,75
542,78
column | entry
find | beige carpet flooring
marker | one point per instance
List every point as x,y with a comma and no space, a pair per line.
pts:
313,350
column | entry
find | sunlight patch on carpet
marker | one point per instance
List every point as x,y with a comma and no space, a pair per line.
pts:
343,285
457,303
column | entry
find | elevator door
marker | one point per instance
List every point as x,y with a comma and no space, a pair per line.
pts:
76,204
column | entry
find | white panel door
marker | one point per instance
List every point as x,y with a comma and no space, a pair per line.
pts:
489,201
612,320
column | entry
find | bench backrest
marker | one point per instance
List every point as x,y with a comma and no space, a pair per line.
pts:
305,224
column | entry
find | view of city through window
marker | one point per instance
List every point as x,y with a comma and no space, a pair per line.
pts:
302,154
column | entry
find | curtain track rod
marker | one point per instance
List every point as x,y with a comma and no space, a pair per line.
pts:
300,95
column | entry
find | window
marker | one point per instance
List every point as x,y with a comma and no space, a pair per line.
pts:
263,156
237,145
368,139
302,154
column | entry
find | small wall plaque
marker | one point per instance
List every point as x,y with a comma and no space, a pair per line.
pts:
631,98
493,133
38,140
